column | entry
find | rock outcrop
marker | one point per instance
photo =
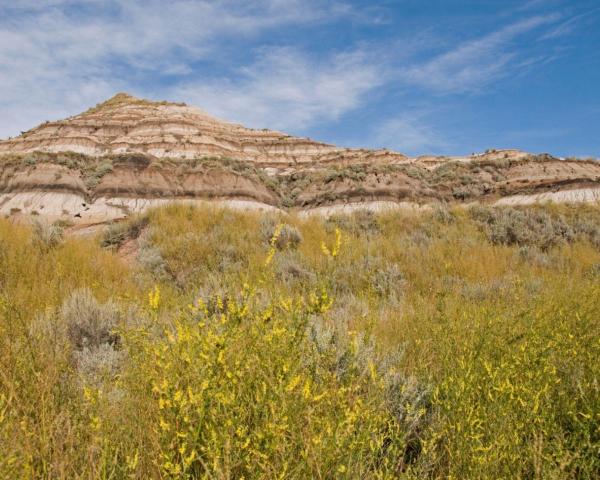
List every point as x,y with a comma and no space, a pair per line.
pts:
125,124
128,154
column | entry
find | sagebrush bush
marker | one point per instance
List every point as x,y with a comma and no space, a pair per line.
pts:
388,280
116,233
63,223
88,322
404,397
91,329
104,168
289,237
594,271
359,222
100,364
512,226
289,268
152,260
443,214
589,228
47,236
534,255
94,176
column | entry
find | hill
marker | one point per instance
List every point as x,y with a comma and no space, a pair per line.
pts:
127,154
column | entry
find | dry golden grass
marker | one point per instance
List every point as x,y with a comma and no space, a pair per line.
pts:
387,346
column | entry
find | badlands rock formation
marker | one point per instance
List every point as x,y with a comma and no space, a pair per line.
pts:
125,124
128,154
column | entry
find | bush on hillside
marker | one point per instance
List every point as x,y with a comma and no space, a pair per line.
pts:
151,259
91,330
47,236
288,236
512,226
342,409
290,269
116,233
88,322
359,222
388,281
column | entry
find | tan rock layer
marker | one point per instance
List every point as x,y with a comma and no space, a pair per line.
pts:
141,177
125,124
133,154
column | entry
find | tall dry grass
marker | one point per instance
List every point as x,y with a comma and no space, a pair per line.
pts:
446,344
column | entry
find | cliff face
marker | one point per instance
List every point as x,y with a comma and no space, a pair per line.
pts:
127,154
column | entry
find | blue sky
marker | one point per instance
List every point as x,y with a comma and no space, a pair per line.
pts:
417,76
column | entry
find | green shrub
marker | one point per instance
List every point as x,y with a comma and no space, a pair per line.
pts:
116,233
511,226
289,237
47,236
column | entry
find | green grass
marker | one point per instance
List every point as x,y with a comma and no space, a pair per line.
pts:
447,344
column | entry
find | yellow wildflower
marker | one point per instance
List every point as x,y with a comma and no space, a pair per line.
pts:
154,298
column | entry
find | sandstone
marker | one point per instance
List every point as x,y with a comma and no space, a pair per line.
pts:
127,155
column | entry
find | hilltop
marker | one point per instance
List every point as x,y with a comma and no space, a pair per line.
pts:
126,124
127,154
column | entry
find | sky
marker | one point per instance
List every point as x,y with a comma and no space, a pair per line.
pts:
443,77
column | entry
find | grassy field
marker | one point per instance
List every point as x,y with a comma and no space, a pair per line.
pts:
456,344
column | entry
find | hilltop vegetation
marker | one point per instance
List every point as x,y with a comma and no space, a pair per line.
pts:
454,343
203,177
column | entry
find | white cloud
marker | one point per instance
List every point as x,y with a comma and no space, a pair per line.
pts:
477,62
286,89
410,135
144,32
569,25
55,62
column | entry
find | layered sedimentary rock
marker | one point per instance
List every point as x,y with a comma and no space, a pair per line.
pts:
125,124
127,154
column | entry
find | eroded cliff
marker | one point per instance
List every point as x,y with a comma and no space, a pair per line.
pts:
128,154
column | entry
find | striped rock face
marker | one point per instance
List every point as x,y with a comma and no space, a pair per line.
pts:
126,155
125,124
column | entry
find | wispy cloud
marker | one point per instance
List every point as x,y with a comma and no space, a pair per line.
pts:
142,33
287,89
59,56
463,68
567,26
477,62
409,134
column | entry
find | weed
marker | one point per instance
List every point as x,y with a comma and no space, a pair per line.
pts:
289,237
116,233
441,344
89,323
47,236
